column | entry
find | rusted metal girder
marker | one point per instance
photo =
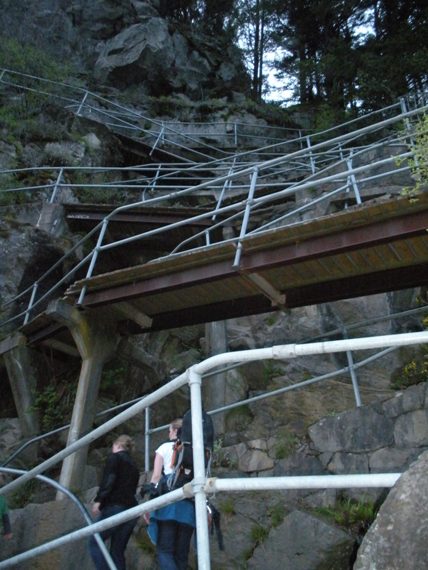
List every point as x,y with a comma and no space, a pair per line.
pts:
267,256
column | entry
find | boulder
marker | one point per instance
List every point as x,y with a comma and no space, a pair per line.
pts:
148,53
358,430
303,542
397,540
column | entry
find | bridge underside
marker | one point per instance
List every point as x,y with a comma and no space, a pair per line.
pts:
378,247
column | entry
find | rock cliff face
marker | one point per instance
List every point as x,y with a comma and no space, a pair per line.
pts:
128,43
125,44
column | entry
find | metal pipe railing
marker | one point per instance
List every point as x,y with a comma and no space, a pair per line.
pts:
229,178
200,485
88,519
281,352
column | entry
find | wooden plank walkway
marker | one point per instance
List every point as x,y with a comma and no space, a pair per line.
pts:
372,248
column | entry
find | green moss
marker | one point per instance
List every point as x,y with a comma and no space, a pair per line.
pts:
238,418
144,543
270,371
28,59
23,495
286,444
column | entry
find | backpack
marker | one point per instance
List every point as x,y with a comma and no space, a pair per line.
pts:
183,450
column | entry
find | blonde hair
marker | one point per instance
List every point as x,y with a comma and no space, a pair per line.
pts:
125,441
177,423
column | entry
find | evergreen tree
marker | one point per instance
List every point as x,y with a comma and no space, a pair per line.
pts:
394,59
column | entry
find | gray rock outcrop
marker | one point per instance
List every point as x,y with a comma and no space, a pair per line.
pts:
398,538
127,43
301,542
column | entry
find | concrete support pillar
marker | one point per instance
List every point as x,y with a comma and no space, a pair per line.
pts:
96,340
23,381
215,387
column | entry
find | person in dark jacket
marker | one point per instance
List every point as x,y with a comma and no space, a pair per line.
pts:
4,514
115,495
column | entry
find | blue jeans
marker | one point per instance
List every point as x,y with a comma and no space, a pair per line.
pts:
173,545
118,535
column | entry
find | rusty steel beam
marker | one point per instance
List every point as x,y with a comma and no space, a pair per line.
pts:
379,282
375,233
370,235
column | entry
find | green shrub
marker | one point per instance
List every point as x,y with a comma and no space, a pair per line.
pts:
227,506
412,373
419,163
54,404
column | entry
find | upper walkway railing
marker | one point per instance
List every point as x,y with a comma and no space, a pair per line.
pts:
249,197
182,137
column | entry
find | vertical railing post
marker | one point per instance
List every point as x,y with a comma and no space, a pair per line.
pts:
56,186
159,138
199,480
147,440
235,134
354,378
153,184
247,213
82,103
94,259
352,372
352,181
30,304
311,157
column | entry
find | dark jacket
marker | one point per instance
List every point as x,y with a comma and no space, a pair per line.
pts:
4,515
119,481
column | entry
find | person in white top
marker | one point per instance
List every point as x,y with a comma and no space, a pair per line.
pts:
174,523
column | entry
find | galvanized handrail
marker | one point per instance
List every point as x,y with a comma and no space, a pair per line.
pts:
238,173
220,180
74,499
149,430
200,485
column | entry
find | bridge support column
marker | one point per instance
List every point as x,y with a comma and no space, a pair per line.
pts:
23,381
215,387
96,341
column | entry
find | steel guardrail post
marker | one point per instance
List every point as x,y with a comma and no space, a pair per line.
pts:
31,302
147,439
94,259
56,186
246,218
82,103
199,479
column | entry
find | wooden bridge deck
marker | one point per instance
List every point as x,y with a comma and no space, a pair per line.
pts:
372,248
